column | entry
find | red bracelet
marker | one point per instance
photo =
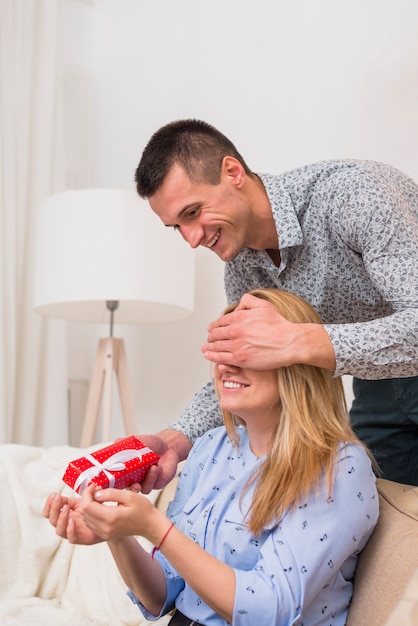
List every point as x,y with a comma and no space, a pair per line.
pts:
154,550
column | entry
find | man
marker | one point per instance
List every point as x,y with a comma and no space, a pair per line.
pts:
341,234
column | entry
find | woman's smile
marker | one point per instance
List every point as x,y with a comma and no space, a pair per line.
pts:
230,384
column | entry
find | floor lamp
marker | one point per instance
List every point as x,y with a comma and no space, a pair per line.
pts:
102,255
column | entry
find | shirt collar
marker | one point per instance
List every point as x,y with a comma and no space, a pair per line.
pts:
288,228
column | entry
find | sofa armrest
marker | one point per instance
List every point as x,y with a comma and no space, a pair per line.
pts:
390,558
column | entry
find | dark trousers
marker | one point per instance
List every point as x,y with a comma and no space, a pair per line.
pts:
181,620
384,416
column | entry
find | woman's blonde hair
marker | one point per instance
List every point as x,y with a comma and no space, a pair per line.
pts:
313,422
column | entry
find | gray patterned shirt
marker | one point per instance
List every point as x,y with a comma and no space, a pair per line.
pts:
348,238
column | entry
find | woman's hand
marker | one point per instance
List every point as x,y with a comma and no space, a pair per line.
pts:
114,514
65,515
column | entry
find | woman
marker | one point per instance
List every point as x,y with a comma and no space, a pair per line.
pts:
270,513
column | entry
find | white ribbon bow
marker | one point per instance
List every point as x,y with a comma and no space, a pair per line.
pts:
115,463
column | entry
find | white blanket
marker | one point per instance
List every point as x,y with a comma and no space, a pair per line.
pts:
44,580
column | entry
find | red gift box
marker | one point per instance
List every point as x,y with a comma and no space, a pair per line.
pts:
118,465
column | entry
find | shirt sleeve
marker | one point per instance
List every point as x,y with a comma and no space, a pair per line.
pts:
175,584
202,414
378,222
187,480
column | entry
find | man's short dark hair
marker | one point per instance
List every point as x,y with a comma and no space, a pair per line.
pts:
196,146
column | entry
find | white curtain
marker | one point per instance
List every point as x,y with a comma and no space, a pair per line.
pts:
39,150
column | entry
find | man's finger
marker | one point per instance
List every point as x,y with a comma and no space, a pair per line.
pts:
151,477
251,302
217,357
224,320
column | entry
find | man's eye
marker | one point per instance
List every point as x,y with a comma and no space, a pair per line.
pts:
176,226
191,214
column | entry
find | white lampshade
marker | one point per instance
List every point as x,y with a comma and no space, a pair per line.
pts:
96,245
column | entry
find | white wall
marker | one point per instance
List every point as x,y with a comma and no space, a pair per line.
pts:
290,82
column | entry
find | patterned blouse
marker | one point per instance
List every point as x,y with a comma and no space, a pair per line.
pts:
348,239
297,572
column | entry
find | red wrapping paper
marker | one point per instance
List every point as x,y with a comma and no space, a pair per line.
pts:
118,465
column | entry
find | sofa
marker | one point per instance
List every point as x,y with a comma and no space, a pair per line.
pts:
45,581
386,579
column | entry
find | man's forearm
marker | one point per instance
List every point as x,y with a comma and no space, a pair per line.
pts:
315,347
175,440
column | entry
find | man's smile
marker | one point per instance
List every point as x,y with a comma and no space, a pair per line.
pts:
213,241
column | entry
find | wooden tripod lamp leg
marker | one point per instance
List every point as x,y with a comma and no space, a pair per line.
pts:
110,357
125,393
94,396
108,366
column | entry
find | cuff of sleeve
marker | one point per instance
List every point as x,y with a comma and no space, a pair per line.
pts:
175,584
148,616
343,364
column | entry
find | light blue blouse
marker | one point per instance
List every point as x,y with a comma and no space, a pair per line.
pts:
297,572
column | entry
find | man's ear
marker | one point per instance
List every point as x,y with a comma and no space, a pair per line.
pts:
233,169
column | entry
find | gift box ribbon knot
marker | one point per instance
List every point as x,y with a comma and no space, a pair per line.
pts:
115,463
